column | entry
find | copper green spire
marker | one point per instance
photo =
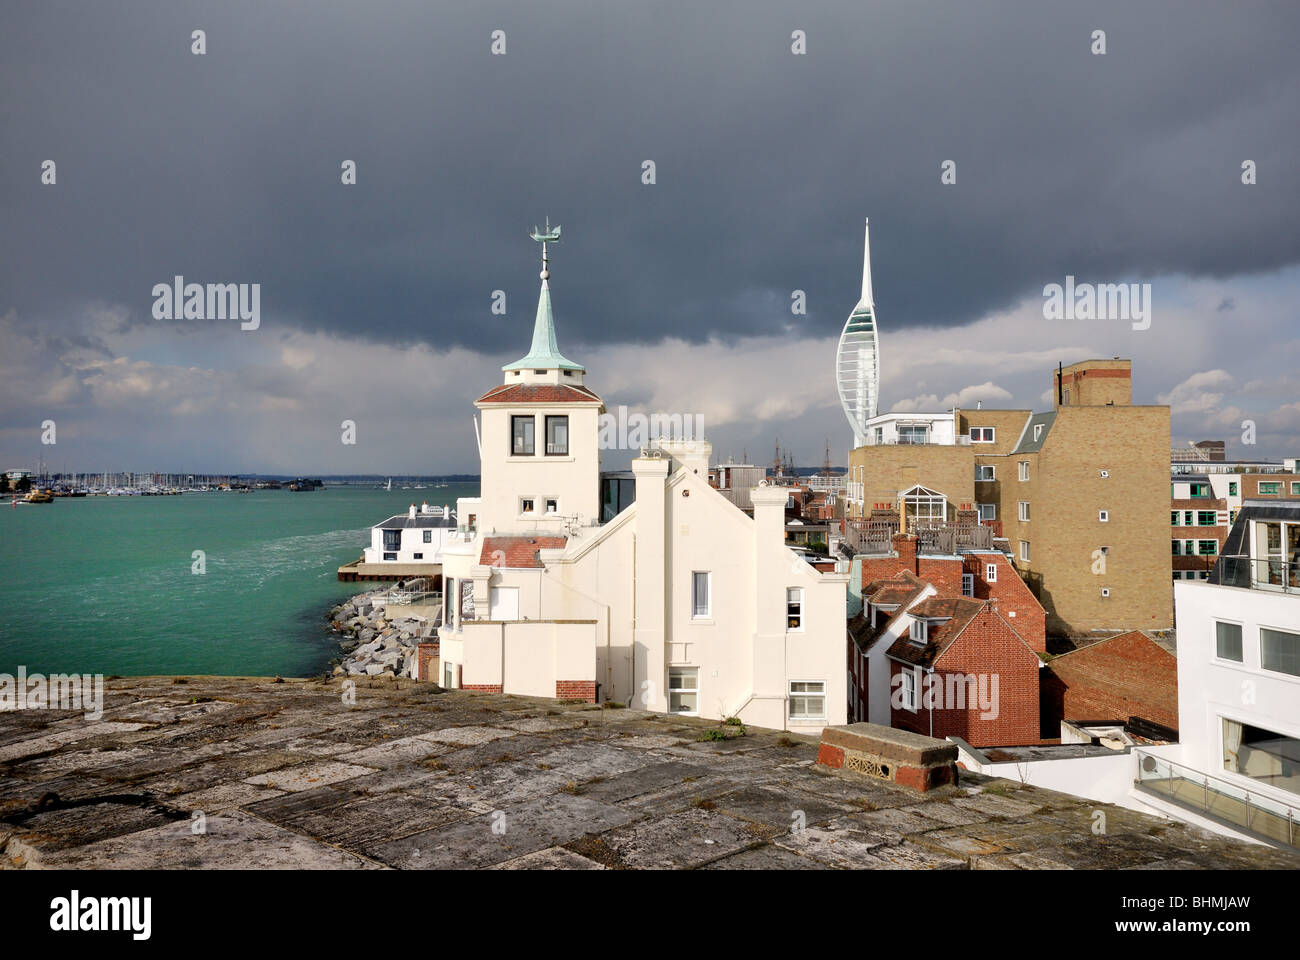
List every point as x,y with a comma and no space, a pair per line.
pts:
545,352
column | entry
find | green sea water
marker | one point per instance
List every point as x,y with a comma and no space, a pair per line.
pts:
105,584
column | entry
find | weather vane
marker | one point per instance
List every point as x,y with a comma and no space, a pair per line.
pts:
545,237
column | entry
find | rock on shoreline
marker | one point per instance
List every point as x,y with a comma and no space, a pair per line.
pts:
376,641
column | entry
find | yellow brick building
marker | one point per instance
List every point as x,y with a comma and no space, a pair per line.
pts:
1080,493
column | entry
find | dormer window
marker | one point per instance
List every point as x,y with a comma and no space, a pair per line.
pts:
920,630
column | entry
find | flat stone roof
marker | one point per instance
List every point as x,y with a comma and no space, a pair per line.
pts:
287,774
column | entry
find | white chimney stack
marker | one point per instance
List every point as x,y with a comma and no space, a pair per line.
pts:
424,507
412,514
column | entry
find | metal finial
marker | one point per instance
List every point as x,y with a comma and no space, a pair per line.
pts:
545,237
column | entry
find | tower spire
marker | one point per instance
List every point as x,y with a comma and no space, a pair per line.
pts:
545,351
866,264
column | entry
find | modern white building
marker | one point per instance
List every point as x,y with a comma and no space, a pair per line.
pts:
679,602
416,536
1237,761
1235,769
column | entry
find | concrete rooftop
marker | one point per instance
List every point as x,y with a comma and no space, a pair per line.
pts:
229,772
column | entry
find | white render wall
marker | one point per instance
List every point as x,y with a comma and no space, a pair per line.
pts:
411,544
1210,689
574,480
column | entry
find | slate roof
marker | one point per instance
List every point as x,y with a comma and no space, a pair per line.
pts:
406,521
517,551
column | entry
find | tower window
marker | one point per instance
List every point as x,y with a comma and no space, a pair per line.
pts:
557,436
521,430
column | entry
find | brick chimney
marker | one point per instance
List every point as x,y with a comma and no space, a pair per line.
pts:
905,547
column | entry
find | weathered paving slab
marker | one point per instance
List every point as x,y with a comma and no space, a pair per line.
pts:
294,774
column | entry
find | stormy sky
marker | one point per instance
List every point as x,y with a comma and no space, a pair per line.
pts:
376,297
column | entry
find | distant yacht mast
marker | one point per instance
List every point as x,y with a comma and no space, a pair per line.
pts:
857,361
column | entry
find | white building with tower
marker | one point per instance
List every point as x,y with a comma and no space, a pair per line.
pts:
677,602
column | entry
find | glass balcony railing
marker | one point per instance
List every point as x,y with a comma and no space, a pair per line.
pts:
1218,799
1260,573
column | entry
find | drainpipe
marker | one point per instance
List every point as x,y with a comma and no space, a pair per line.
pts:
632,689
930,673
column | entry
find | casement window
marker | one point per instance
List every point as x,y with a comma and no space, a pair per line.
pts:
1178,547
920,630
991,572
1295,488
1024,511
428,536
985,471
1279,651
1207,548
1227,641
557,436
968,584
807,700
1024,550
794,608
1038,432
521,436
981,434
1232,488
1187,518
684,690
1174,517
909,689
392,541
914,434
1199,489
527,504
1264,755
701,595
987,512
552,505
1206,518
1269,488
1024,470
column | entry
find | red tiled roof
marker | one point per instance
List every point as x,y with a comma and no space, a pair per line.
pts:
960,610
517,551
538,393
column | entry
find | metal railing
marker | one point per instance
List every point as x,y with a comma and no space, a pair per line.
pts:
1269,573
408,597
1218,799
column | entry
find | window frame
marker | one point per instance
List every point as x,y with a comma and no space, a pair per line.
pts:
794,599
1023,510
968,584
1241,642
683,672
1025,552
991,433
808,695
556,418
516,421
908,689
1023,468
1274,670
708,595
993,473
991,573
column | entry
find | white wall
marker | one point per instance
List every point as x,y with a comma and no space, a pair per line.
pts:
1211,689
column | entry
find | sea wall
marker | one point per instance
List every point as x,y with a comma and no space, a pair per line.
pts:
379,638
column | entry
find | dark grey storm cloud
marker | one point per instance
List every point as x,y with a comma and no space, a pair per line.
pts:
225,167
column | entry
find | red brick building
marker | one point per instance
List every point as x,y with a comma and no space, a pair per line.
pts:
1129,675
980,663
